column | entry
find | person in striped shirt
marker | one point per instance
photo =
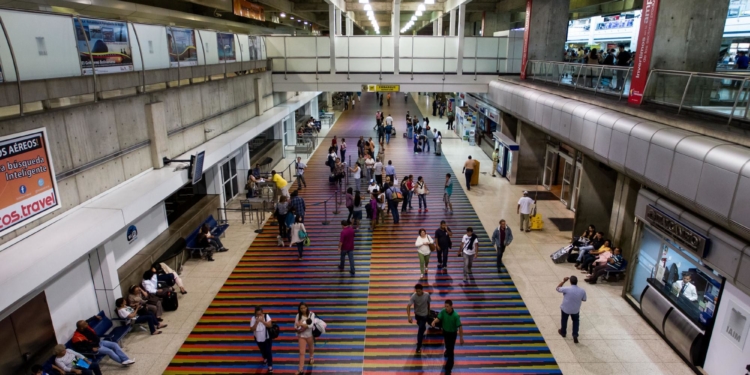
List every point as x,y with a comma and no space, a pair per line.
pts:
614,263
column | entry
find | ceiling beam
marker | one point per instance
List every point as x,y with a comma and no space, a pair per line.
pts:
388,7
511,6
306,7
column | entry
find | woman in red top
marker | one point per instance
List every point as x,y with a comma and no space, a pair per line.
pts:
333,144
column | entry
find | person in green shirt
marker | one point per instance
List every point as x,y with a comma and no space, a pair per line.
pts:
452,328
448,192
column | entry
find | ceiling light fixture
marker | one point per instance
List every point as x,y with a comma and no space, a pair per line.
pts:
421,7
305,22
291,17
368,7
418,13
370,13
282,15
299,20
413,18
364,1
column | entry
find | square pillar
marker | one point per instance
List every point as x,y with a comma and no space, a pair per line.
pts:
104,275
461,26
439,24
338,20
596,196
156,124
396,32
452,23
332,34
546,31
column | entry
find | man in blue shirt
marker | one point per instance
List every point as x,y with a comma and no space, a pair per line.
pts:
298,204
390,172
573,297
392,204
741,61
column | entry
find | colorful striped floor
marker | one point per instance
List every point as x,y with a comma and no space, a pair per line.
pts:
368,332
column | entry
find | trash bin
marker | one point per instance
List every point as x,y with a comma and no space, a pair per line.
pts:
475,175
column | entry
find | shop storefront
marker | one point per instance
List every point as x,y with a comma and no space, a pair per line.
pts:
507,165
672,280
487,120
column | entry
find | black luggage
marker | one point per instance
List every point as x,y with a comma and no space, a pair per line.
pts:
573,256
561,256
169,302
331,179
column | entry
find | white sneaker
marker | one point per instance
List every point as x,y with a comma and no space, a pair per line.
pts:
128,362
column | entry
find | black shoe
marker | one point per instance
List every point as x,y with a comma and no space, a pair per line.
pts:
419,350
561,334
210,259
575,340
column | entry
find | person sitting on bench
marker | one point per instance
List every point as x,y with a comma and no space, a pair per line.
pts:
66,359
151,284
127,312
144,303
614,263
163,271
213,240
87,341
204,243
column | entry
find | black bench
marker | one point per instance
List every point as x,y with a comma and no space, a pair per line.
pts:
191,241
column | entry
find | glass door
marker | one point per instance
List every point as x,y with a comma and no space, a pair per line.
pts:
229,180
550,166
576,186
567,179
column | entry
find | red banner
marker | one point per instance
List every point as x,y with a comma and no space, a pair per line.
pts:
525,55
642,62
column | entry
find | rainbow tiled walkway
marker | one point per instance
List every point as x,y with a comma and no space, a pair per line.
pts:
367,328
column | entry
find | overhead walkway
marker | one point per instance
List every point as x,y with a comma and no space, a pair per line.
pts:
367,330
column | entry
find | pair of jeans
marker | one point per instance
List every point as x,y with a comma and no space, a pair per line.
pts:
424,262
393,205
422,324
500,251
282,227
411,195
387,138
442,255
468,262
450,345
349,254
216,242
112,350
468,174
343,156
150,319
405,202
300,181
422,198
266,351
300,247
426,145
582,251
564,323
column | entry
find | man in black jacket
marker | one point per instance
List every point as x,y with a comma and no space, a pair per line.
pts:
443,242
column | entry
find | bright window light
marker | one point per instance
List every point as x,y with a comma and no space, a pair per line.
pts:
418,13
413,18
368,7
364,1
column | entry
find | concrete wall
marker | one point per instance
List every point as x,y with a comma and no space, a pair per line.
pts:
100,145
548,30
597,194
622,219
532,146
71,298
508,125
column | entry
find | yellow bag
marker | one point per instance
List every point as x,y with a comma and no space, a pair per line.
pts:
536,222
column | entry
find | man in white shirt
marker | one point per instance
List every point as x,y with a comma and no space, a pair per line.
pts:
525,205
470,250
372,187
259,324
389,120
685,289
300,171
378,170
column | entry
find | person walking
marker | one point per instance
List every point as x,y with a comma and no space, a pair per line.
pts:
300,167
303,326
469,250
421,302
373,208
346,246
439,144
334,145
259,324
388,128
390,172
428,137
422,191
447,192
405,192
406,96
501,238
361,146
388,99
623,60
369,166
468,172
382,205
525,205
350,203
377,169
452,329
573,297
443,244
424,245
495,160
299,235
357,209
392,203
339,172
353,102
282,209
346,102
411,185
357,175
434,107
342,150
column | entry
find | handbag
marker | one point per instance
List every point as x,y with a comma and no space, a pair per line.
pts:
301,234
306,242
432,246
274,331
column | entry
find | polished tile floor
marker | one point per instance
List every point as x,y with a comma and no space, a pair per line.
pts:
614,338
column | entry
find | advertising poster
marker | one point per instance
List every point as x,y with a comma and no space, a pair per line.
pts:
254,44
110,46
182,50
642,60
525,53
28,189
225,44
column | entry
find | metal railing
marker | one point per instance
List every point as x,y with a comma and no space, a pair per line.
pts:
605,79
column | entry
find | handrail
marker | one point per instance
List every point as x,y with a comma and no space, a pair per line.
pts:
15,65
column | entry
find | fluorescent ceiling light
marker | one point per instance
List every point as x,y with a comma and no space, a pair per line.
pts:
418,13
364,1
282,15
305,22
291,17
368,7
370,13
413,18
421,7
429,1
299,20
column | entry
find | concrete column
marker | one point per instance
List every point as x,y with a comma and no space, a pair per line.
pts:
460,52
332,33
597,193
156,124
495,21
548,29
349,23
396,32
439,24
532,144
452,23
338,21
258,91
622,220
435,28
329,101
106,280
508,125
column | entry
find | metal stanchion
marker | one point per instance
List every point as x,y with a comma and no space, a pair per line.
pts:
336,201
325,211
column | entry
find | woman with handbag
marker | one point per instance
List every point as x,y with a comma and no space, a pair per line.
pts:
303,325
299,235
422,191
260,324
425,245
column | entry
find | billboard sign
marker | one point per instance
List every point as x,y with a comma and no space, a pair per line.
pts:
225,43
525,53
109,43
28,189
181,43
642,62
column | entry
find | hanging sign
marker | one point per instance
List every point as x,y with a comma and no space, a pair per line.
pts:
642,61
381,88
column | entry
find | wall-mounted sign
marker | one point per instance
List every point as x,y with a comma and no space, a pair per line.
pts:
681,233
132,234
736,324
244,8
28,189
381,88
181,44
109,43
225,43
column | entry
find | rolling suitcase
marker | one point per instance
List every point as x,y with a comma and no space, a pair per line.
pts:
561,256
169,302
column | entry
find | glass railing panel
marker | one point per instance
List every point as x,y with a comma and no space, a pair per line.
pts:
432,47
451,47
404,65
301,46
666,88
488,47
365,46
717,95
428,65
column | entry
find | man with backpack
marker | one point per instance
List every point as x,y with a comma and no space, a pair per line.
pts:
264,332
469,250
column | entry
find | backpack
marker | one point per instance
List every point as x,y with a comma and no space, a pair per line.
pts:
396,195
319,326
273,332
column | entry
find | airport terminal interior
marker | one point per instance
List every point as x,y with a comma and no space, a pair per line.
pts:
375,187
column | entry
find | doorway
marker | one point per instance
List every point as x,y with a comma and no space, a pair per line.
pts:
27,336
562,174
